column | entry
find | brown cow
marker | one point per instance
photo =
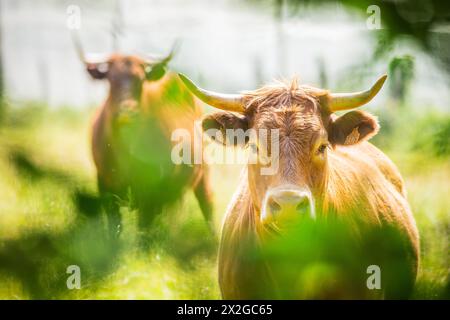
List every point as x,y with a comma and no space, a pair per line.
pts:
131,138
327,169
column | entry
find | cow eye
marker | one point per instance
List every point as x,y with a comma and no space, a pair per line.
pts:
323,147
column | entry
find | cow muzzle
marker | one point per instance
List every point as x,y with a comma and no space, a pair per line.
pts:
128,110
287,203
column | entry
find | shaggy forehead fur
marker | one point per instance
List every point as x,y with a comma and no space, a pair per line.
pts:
119,59
126,65
293,109
282,93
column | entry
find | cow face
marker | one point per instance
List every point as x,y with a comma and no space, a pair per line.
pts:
307,134
126,75
302,143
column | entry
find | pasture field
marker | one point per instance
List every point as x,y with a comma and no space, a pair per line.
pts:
50,216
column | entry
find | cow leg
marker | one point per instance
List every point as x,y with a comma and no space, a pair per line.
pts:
112,209
147,213
202,191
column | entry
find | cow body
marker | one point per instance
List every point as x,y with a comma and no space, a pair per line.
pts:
131,144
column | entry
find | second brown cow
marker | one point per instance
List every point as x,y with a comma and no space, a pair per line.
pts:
131,135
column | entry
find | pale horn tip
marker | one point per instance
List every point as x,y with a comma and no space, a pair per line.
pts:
377,87
188,83
185,79
379,84
347,101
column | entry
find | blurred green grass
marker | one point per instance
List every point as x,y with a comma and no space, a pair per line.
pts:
45,162
46,167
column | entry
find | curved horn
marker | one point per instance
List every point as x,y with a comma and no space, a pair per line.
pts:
346,101
175,47
78,47
156,59
228,102
92,58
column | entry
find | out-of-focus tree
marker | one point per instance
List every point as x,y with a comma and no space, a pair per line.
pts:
425,21
323,77
280,39
401,71
258,71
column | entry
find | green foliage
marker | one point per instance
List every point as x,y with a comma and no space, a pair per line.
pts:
304,266
441,139
401,73
412,132
432,135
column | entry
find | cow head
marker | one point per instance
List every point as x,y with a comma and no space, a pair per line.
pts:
307,132
125,74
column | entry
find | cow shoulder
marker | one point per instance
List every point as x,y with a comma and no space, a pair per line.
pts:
386,166
367,157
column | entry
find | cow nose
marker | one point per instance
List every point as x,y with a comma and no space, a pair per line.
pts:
128,110
286,203
128,105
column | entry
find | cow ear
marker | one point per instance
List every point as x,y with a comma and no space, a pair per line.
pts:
353,127
155,72
98,71
215,126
